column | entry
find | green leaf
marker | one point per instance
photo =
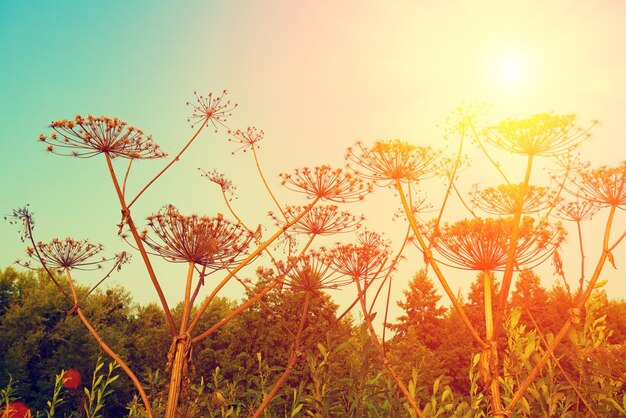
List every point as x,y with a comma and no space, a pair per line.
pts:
600,284
296,410
322,349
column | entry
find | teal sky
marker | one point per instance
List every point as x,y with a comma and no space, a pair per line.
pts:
315,76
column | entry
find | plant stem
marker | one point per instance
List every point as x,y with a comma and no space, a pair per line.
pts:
106,348
507,277
140,247
490,354
195,135
182,347
430,260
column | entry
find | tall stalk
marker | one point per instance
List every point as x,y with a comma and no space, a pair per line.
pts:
144,255
181,346
106,348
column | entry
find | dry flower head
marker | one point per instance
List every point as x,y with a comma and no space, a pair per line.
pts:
86,137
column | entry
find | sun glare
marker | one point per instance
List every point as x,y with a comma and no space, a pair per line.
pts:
512,69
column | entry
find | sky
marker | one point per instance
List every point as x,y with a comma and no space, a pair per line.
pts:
315,76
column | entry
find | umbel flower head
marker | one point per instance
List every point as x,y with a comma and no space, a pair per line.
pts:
227,186
320,220
24,218
542,134
366,260
387,161
576,211
326,183
482,244
210,108
71,254
501,200
87,137
247,139
604,186
312,273
213,242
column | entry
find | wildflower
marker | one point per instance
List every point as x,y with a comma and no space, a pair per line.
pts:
227,186
16,409
465,117
320,220
326,183
93,135
577,211
313,273
604,186
71,379
213,242
210,109
502,200
366,260
23,217
543,134
247,140
67,253
482,244
388,161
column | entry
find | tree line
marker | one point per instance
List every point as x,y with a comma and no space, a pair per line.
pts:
234,368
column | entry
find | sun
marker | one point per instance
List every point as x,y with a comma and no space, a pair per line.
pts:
512,70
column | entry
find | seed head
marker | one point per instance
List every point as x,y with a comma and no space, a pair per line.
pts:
482,244
93,135
211,109
327,183
604,186
388,161
68,253
320,220
227,186
24,218
502,200
213,242
577,210
247,139
313,273
366,260
543,134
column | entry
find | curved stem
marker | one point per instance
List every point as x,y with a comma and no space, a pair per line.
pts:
451,177
202,125
430,260
105,347
267,187
118,360
29,232
140,247
130,164
491,160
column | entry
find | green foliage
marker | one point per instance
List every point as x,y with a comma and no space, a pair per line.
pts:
99,390
341,375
